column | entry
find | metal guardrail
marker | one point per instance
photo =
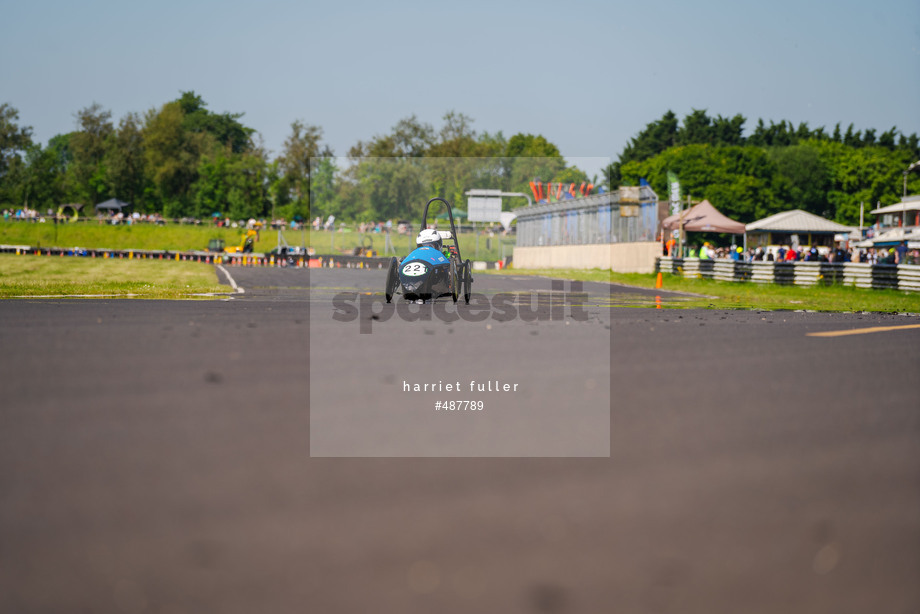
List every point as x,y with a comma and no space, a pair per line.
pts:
151,254
248,260
598,218
861,275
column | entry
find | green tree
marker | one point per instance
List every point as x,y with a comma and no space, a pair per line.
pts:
887,139
212,187
531,146
379,188
456,139
88,182
729,131
247,196
779,134
910,144
696,129
530,157
125,162
14,139
42,185
394,174
801,178
224,127
853,139
180,141
869,175
172,156
323,176
737,180
302,146
411,138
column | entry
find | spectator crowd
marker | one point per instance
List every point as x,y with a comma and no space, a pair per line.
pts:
898,254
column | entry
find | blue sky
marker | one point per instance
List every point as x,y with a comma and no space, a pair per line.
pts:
587,75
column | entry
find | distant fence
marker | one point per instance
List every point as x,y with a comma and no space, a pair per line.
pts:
626,215
240,225
861,275
247,260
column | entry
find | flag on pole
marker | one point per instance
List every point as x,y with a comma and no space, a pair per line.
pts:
674,185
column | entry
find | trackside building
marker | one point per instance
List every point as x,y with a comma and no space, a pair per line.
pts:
615,231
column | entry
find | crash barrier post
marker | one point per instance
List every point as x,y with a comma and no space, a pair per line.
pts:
858,274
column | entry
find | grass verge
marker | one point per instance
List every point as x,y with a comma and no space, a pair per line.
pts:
727,295
24,276
188,237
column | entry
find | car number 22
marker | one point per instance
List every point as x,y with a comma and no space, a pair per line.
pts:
414,269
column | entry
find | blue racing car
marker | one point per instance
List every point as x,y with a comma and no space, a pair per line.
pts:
431,270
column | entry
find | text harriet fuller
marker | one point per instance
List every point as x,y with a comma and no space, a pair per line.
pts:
475,386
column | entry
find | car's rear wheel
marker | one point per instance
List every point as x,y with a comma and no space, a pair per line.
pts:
467,281
454,281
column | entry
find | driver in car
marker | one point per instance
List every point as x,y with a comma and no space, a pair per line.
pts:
432,238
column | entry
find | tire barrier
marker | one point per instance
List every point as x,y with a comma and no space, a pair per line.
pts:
335,261
248,260
862,275
241,260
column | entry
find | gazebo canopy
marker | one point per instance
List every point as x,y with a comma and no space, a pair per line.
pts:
113,203
704,217
459,214
797,221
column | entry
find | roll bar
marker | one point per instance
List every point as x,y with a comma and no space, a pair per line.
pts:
450,214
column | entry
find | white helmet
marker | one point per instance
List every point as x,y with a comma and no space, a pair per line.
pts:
430,238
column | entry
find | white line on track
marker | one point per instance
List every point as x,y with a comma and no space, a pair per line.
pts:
862,331
232,281
128,295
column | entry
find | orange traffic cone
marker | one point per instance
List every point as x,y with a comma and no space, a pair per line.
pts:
658,281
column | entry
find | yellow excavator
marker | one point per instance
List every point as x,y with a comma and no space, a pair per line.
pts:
246,243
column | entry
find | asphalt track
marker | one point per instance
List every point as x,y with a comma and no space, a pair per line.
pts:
155,457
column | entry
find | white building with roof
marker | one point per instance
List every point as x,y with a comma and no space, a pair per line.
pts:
896,223
795,228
